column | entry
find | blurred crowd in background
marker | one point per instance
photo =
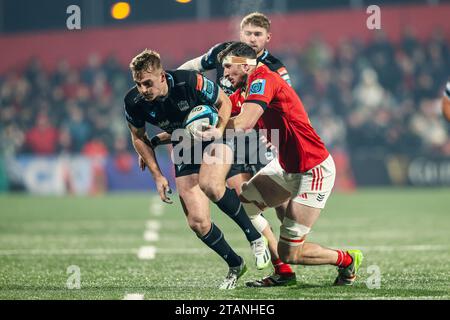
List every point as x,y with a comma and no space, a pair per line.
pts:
361,97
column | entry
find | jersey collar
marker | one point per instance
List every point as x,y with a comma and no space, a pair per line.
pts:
264,55
170,85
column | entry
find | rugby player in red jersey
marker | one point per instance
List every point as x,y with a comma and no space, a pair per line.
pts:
303,172
254,31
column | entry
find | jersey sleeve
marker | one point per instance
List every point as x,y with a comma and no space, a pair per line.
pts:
261,90
284,74
209,59
132,115
206,90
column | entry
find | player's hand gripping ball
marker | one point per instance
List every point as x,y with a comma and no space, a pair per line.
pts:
200,118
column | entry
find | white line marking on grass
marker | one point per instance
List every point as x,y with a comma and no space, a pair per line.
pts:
134,296
421,247
150,235
63,252
156,208
112,251
146,253
153,225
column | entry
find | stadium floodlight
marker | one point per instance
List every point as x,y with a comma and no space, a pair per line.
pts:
120,10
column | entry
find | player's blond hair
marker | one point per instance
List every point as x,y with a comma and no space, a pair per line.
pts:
147,60
256,19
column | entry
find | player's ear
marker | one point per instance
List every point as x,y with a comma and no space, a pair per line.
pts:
163,76
269,36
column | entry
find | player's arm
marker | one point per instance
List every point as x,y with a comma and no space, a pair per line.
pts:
194,64
224,106
142,145
247,119
161,138
206,61
208,92
261,92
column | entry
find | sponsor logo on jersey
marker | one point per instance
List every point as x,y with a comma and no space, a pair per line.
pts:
183,105
258,86
153,114
163,124
320,197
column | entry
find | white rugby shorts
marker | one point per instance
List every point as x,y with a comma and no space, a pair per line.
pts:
311,188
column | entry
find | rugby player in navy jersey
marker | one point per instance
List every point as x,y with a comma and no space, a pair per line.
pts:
164,99
255,32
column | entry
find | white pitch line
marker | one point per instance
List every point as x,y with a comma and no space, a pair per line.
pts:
156,208
420,247
153,225
146,253
102,251
63,252
151,236
134,296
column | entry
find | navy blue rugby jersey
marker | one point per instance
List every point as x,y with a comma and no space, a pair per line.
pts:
187,89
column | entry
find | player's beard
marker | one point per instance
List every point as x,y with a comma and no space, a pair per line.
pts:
242,84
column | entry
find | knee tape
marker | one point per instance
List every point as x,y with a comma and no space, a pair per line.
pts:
259,222
293,233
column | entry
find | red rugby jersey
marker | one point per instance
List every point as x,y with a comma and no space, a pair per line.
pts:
300,148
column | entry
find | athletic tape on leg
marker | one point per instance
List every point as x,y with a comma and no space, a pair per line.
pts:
293,233
259,222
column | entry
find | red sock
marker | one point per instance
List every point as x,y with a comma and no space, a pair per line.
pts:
344,259
281,267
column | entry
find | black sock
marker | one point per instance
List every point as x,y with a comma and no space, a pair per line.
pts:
216,241
231,205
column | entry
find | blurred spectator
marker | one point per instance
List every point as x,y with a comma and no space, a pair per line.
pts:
429,126
97,151
78,128
42,139
359,96
368,93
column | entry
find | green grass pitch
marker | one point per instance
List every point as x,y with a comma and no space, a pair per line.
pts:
404,233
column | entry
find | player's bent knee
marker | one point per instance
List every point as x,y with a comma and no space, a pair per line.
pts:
290,254
200,226
213,190
292,233
259,222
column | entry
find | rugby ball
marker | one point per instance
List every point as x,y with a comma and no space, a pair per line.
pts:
200,117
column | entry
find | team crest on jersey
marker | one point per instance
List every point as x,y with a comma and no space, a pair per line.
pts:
183,105
258,86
